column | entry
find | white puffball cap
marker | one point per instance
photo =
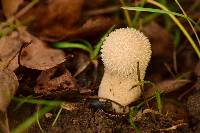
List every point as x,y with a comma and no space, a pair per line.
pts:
122,49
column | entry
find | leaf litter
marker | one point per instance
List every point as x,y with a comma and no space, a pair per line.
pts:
68,20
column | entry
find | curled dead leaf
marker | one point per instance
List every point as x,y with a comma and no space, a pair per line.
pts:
8,87
38,55
55,80
9,47
93,26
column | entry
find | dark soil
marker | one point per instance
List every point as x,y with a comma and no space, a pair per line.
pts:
90,120
193,105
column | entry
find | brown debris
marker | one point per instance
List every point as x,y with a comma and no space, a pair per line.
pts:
8,87
38,55
65,19
151,121
9,47
92,26
54,80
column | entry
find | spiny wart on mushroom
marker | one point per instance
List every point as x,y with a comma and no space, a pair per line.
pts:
121,51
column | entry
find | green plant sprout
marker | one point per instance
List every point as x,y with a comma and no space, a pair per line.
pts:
57,116
48,106
86,46
158,100
165,10
27,123
38,119
134,110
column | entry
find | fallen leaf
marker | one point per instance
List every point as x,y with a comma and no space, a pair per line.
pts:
55,80
166,86
65,19
92,27
63,14
10,6
8,87
9,47
38,55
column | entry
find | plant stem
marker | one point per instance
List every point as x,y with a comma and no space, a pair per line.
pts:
192,27
196,49
127,15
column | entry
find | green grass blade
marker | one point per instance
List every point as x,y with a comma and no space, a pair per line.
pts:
126,14
159,101
86,43
98,46
31,120
38,122
192,27
72,45
172,15
133,112
35,101
154,10
137,14
57,116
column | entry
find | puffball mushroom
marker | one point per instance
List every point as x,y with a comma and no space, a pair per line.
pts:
121,52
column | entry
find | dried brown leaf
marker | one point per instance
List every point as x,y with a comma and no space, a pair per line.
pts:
64,19
9,47
38,55
8,87
58,13
55,80
10,6
166,86
93,26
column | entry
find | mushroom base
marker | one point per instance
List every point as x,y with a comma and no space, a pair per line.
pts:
119,89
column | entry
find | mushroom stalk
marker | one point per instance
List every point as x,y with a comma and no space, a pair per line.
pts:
121,51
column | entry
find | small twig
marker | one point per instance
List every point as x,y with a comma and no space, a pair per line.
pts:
141,85
175,61
173,127
19,14
25,44
126,14
38,121
57,116
169,70
187,91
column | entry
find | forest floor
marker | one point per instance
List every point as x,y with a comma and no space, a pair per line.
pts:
49,88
